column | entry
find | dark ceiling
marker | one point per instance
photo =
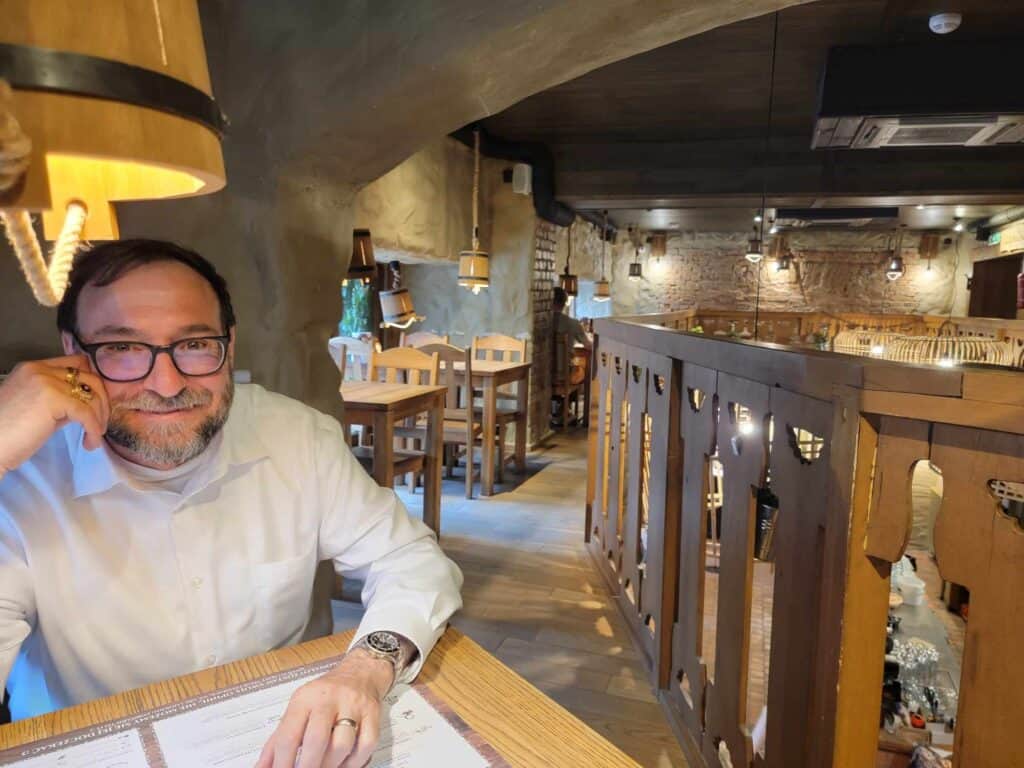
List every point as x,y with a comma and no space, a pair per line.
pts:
684,125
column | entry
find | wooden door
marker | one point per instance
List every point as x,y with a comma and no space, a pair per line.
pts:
994,287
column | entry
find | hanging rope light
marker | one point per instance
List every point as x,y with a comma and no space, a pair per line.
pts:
602,288
755,249
755,245
635,270
474,264
396,307
895,269
363,265
568,281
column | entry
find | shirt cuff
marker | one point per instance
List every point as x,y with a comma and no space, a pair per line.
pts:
400,622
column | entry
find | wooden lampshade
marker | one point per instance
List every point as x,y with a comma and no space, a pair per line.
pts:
363,265
658,242
602,290
474,269
116,100
397,308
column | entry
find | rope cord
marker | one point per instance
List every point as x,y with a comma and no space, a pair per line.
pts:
47,281
764,162
476,189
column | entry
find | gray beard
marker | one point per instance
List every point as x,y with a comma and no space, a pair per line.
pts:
169,444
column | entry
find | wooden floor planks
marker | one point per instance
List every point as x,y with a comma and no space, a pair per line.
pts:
534,600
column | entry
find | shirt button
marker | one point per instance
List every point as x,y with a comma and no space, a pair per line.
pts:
197,582
211,660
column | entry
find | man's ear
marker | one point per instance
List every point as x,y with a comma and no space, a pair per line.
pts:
69,344
231,347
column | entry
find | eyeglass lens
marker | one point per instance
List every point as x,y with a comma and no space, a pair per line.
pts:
125,360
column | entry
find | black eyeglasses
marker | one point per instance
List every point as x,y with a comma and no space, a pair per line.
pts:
124,361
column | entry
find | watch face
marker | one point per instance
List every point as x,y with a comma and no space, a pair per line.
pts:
385,642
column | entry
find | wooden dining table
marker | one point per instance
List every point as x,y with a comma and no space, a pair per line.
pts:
488,376
520,724
379,405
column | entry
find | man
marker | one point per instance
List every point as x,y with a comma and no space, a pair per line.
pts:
154,520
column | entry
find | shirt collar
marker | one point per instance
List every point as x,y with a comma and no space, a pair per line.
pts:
95,471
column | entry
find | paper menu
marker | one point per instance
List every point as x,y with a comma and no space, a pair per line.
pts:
120,750
227,729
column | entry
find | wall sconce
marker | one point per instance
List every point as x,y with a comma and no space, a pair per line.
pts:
97,123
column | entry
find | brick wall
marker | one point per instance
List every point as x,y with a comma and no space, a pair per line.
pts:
541,290
831,272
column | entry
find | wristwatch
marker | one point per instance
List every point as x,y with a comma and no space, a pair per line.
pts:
385,645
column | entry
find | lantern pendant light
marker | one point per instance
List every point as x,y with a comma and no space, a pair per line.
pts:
895,269
635,270
754,249
568,281
363,265
602,288
474,264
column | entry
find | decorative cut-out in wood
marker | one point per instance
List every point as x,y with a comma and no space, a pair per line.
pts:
618,364
659,384
637,372
806,445
684,687
1010,495
696,398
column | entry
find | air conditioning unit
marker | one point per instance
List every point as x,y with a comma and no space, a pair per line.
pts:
923,95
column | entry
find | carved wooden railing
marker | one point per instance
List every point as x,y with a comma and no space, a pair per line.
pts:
678,417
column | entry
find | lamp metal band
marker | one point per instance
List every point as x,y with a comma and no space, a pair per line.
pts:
29,68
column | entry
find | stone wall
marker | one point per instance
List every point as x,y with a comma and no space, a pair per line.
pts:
831,272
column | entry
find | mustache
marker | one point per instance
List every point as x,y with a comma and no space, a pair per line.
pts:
151,401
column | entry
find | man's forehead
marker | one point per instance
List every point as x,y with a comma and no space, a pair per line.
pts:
156,298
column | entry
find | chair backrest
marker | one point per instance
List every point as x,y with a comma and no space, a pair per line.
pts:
456,373
561,358
420,338
404,365
357,353
495,346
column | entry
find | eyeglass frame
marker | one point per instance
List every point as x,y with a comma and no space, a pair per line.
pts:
154,350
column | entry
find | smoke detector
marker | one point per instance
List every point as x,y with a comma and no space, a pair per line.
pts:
944,23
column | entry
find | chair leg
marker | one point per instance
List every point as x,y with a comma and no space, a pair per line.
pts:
500,477
469,470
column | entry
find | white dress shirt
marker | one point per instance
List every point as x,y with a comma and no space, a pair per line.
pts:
113,576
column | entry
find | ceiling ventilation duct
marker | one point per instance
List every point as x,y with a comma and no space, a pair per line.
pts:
941,93
837,218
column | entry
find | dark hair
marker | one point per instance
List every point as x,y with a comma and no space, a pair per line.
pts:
561,297
105,263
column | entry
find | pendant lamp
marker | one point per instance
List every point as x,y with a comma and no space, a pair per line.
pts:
754,249
101,106
568,281
602,288
895,268
396,305
363,265
474,264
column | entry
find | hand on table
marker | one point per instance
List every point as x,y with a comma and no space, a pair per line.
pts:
353,690
37,399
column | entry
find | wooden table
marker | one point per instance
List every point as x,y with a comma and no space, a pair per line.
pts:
523,725
488,375
380,405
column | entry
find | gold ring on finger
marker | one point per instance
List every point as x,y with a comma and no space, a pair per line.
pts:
82,392
71,377
347,721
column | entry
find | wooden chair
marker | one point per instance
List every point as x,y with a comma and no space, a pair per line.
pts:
460,428
357,352
421,338
563,388
495,346
401,365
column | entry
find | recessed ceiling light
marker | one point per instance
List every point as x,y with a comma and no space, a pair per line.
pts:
920,206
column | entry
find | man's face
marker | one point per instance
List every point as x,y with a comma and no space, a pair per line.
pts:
167,418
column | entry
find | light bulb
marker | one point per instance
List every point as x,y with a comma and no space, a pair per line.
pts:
920,206
476,290
947,362
959,226
877,350
757,218
746,428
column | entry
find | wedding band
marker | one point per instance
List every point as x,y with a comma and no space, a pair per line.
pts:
346,721
82,392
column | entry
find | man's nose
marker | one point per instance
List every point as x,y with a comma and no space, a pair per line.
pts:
165,379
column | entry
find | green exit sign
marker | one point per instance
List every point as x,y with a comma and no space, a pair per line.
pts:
995,238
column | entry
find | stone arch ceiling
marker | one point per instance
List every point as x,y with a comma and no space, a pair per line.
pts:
325,96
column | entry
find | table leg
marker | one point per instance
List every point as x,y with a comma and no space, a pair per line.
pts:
434,450
383,450
489,428
522,406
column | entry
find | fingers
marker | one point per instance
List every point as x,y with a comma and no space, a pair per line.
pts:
317,738
366,742
288,737
343,740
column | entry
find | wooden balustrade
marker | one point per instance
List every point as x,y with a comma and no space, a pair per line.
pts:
835,438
